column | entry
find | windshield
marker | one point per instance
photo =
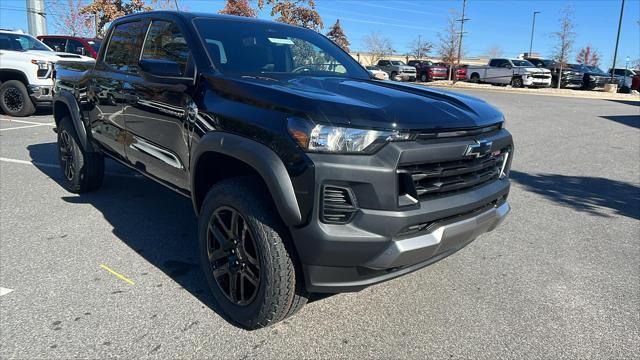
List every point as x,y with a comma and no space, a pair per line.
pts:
596,70
21,42
95,44
522,63
243,48
580,67
395,62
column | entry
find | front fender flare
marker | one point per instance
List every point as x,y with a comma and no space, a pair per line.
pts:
71,103
260,158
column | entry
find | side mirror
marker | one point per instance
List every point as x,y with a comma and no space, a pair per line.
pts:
162,68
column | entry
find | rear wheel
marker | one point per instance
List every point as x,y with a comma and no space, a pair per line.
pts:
82,171
15,100
246,255
475,78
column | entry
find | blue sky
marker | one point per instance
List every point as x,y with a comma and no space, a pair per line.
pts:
506,24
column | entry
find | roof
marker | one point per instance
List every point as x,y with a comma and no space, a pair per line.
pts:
188,16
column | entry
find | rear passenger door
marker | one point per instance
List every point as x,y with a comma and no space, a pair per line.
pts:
157,108
113,68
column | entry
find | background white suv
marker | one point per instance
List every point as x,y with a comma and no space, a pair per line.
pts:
26,67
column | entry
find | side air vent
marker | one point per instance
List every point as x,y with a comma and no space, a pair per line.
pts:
338,205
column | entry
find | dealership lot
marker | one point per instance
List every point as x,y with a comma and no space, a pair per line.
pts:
114,273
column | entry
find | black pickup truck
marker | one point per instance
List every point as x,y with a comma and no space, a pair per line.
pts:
307,175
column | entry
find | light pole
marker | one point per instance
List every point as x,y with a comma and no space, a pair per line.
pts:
615,52
533,26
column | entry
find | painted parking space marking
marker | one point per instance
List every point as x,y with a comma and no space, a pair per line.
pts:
39,164
119,276
23,127
5,291
26,122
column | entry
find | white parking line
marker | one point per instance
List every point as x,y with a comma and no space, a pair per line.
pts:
35,163
27,122
5,291
23,127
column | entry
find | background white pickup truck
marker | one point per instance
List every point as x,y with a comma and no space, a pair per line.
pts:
26,67
514,72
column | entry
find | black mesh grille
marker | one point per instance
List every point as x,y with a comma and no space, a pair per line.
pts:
338,205
441,178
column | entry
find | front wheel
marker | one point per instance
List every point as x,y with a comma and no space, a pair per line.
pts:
246,255
516,82
423,78
394,76
82,171
15,100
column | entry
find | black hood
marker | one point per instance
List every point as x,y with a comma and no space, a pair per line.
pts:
361,103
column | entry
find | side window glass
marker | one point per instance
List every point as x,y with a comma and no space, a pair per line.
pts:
165,41
124,45
55,43
493,63
74,46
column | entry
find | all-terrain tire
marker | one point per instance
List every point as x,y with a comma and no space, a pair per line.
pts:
280,292
82,171
15,100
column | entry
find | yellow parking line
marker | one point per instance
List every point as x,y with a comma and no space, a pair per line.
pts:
119,276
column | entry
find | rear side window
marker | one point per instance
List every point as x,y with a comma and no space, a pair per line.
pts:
75,47
165,41
55,43
124,45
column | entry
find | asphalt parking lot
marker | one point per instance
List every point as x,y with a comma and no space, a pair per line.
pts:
559,279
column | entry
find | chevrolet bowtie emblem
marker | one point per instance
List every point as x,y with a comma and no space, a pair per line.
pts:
480,148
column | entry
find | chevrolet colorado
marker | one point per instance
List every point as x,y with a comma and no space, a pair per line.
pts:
307,175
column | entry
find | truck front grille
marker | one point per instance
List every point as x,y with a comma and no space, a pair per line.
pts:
437,179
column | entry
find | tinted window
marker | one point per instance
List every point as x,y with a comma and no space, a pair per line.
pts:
55,43
522,63
494,62
249,48
74,46
124,45
20,42
166,42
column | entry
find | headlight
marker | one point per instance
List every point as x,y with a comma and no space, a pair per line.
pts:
337,139
42,65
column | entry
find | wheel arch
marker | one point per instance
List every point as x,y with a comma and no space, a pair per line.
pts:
65,104
13,74
232,155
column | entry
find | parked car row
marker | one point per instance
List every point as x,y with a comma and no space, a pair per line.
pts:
26,72
529,72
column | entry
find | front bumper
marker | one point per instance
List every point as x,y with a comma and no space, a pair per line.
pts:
537,81
41,93
375,246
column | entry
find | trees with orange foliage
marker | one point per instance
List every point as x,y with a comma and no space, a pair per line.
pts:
588,56
295,12
238,8
337,35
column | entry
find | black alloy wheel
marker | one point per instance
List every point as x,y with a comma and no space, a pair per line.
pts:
66,155
233,256
13,99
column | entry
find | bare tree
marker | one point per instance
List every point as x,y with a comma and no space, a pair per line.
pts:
377,46
419,48
69,20
495,51
238,8
564,40
449,40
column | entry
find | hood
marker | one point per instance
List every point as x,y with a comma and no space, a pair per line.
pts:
55,56
406,68
360,103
